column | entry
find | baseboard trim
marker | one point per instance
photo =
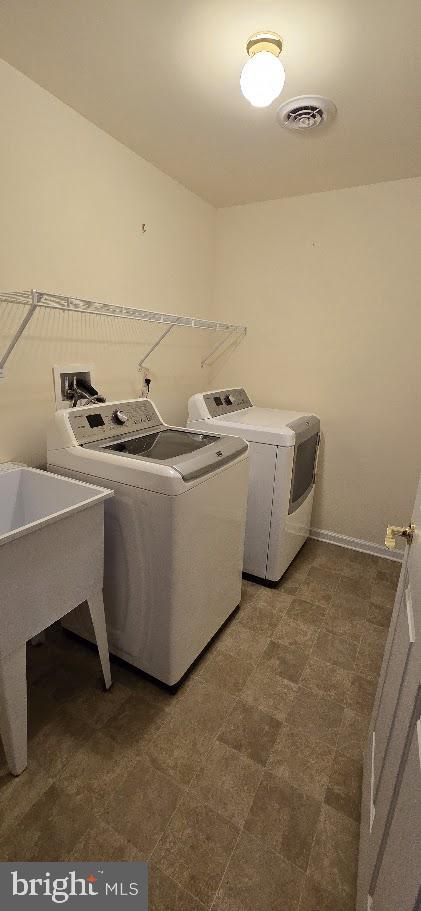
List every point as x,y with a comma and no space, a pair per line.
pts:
367,547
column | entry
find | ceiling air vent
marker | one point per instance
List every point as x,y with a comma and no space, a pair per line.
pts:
306,112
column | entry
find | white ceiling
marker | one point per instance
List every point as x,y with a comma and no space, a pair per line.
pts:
162,76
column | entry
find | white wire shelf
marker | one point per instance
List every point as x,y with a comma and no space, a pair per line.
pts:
35,300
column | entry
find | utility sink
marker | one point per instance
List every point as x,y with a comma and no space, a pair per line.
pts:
51,560
31,499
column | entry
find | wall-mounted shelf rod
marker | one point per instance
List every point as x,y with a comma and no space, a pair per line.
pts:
35,300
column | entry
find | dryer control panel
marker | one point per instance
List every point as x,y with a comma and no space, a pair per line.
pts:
93,423
225,401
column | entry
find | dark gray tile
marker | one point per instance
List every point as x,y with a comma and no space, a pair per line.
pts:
227,781
284,818
346,620
297,571
344,788
225,671
134,681
260,617
165,895
17,795
101,842
269,692
294,635
306,612
301,760
316,591
383,593
62,736
334,855
250,731
328,679
389,571
356,564
285,661
316,898
195,848
257,878
289,585
331,558
374,635
94,705
51,828
178,748
335,649
380,614
323,576
360,586
370,652
352,740
316,714
96,769
361,694
141,806
202,704
133,725
248,590
238,640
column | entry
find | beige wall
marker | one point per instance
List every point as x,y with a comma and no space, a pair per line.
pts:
72,204
327,283
329,286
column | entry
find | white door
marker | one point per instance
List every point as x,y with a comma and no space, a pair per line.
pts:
389,876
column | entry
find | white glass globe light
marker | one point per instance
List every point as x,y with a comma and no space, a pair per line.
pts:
262,79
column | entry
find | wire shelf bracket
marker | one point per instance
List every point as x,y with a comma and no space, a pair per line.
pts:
222,343
35,300
158,342
19,331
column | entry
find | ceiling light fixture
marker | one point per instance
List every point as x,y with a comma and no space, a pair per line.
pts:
263,76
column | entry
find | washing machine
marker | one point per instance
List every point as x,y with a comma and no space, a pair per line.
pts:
283,449
174,534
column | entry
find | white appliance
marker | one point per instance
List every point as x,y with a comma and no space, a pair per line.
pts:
283,448
174,530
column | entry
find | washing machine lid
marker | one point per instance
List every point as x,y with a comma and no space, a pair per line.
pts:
87,440
192,454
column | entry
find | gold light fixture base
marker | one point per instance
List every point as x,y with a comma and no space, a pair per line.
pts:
264,41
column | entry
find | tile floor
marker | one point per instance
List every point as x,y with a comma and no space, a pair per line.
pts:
243,789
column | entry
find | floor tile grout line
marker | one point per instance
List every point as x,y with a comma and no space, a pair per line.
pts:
226,867
188,788
264,769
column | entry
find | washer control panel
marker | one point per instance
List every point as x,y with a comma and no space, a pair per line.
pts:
93,423
225,401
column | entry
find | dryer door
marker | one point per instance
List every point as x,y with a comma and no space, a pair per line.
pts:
305,460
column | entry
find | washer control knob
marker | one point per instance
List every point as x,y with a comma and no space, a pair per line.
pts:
119,417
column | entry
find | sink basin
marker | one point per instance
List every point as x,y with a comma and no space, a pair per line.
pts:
51,549
51,560
31,499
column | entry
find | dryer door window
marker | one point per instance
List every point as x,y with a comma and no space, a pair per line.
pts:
304,470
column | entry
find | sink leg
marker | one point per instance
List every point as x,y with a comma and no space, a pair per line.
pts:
13,713
96,608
